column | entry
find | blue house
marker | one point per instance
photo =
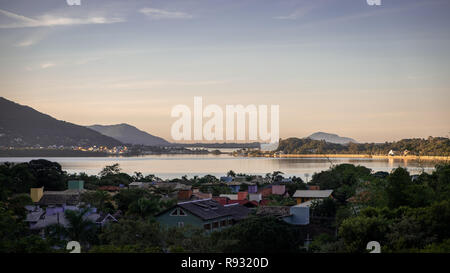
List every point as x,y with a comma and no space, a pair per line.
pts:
252,188
226,179
298,214
235,188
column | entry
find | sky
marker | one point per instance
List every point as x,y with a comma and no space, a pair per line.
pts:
373,73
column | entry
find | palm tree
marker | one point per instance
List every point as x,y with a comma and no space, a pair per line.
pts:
231,173
79,228
276,176
97,199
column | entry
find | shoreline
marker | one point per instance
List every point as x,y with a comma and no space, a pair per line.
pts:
406,157
96,155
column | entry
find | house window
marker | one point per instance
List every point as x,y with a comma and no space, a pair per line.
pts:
207,226
230,222
216,225
223,223
178,212
180,224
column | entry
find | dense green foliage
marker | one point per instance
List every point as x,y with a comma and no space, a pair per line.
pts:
402,213
437,146
15,235
260,234
19,178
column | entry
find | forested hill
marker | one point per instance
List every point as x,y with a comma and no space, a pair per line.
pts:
437,146
22,126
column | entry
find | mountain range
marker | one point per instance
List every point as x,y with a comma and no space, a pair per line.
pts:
22,126
331,138
128,134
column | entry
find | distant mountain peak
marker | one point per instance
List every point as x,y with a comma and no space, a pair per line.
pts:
129,134
331,138
23,126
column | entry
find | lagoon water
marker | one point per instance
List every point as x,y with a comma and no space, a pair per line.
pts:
175,166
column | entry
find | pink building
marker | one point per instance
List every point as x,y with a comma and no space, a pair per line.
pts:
278,189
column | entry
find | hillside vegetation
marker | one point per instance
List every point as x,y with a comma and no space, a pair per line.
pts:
437,146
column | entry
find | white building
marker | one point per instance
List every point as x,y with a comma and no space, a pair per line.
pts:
255,197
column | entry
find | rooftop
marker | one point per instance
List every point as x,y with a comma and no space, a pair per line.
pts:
206,209
277,211
238,211
313,193
69,197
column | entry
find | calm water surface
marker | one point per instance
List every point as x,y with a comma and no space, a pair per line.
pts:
172,166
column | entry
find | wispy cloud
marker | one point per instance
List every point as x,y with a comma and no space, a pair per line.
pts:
53,20
26,43
47,65
298,13
160,83
87,60
164,14
137,84
44,65
305,7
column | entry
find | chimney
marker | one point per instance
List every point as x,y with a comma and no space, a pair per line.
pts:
76,185
36,194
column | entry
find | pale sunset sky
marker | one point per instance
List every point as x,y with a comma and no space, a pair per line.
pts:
373,73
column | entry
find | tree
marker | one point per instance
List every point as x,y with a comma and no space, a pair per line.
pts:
48,174
15,178
256,234
323,243
216,190
276,176
291,188
80,228
137,176
398,181
207,179
144,207
16,237
324,208
439,180
343,179
125,197
231,173
356,232
17,204
190,239
141,234
97,199
110,170
124,249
